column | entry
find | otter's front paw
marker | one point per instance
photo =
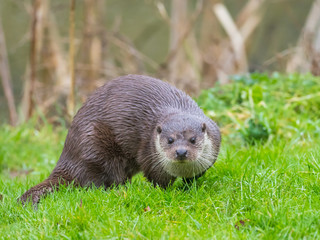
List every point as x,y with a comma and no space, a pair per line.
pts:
27,197
34,194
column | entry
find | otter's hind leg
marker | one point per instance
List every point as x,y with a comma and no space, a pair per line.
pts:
104,161
52,183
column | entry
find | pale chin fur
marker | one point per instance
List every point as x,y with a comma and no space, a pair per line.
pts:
188,169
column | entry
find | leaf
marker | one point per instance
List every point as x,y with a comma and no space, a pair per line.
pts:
147,209
257,94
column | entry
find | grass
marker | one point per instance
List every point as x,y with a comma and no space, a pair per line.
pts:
265,184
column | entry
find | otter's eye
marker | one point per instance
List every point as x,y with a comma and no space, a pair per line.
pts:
193,140
170,140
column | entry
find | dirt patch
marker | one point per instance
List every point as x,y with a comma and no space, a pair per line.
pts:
241,223
17,173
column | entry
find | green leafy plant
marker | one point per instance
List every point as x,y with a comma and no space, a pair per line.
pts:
255,132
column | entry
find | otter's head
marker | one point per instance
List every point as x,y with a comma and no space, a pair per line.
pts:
184,147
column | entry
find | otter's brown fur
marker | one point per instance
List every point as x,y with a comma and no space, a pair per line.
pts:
122,129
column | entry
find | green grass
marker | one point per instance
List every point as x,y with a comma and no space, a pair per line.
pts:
266,177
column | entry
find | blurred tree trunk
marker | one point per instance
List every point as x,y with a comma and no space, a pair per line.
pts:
48,67
92,47
53,81
6,78
71,99
307,55
184,61
29,99
226,55
210,42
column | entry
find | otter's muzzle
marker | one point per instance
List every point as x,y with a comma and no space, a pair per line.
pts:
181,154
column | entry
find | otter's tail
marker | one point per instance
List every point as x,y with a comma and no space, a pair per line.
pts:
49,185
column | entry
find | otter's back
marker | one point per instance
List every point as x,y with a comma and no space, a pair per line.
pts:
131,106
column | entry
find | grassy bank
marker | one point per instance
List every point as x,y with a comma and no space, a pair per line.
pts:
265,183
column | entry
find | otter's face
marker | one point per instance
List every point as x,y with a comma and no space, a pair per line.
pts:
184,147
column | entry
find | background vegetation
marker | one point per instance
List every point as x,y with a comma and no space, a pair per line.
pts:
265,183
192,44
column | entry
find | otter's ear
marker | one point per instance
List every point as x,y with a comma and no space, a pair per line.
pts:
203,127
159,129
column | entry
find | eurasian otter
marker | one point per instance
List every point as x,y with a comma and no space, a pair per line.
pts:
131,124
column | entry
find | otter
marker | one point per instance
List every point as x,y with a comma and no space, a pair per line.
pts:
131,124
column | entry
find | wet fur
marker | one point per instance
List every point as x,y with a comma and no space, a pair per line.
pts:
112,137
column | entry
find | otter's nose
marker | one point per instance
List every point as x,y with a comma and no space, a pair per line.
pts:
181,154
